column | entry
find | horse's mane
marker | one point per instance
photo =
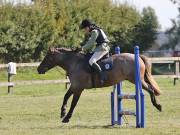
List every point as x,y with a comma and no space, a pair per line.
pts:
64,49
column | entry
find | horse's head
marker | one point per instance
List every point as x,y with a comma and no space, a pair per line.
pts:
48,61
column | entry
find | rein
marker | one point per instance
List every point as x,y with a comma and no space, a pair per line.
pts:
60,71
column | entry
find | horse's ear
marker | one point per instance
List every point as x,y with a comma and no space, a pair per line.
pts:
51,49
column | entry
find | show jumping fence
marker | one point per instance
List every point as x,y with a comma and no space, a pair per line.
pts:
117,96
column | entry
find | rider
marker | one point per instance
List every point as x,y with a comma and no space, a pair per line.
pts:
97,43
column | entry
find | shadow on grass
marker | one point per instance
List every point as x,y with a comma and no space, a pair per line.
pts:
94,127
70,127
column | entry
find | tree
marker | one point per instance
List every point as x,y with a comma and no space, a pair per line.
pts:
142,32
174,32
26,31
146,29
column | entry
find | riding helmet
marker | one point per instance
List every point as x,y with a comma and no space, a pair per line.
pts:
85,23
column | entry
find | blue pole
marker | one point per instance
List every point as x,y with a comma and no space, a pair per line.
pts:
138,121
141,105
119,92
117,50
142,110
142,100
112,108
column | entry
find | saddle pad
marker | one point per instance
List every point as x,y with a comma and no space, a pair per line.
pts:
106,64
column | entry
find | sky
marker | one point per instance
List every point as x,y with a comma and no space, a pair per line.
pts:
165,10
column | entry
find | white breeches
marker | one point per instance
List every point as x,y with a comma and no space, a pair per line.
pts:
97,56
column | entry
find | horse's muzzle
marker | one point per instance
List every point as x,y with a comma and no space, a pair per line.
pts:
41,71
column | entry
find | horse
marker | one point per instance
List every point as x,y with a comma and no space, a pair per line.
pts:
77,68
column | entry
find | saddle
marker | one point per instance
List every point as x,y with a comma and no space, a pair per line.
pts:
106,62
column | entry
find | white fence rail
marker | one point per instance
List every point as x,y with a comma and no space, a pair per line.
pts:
21,65
175,60
11,83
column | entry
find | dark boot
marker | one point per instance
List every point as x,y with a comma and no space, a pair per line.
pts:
100,72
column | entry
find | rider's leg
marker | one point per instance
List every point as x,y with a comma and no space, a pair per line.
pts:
93,62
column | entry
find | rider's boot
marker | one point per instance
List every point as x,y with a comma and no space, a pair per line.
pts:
100,72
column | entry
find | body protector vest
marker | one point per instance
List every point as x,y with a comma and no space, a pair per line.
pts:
102,38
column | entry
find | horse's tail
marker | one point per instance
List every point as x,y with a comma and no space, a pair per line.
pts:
148,76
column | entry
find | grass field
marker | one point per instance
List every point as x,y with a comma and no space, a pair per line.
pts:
34,110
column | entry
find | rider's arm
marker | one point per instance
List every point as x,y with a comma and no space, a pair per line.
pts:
90,43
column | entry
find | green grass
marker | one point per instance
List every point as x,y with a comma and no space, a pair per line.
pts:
34,110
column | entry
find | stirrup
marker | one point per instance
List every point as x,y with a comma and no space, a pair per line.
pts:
103,78
102,82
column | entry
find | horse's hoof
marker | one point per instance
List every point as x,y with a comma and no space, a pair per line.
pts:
63,113
65,120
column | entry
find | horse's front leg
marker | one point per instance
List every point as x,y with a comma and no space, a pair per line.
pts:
75,99
66,97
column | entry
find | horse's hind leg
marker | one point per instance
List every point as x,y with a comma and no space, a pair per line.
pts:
66,97
149,89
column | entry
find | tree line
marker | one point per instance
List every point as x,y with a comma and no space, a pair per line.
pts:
173,33
26,31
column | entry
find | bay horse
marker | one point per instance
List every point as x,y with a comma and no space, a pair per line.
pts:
77,68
